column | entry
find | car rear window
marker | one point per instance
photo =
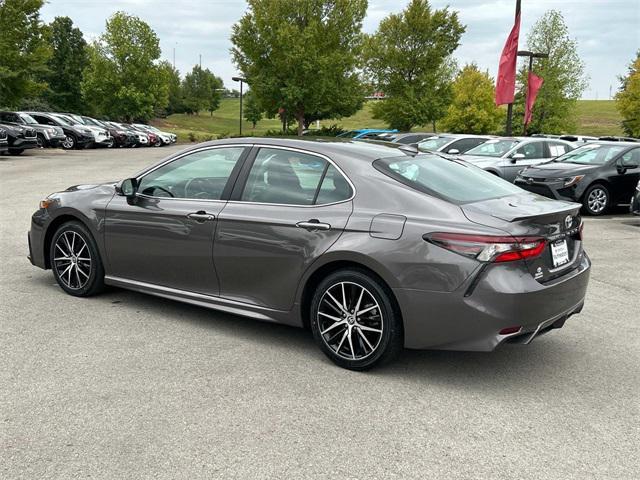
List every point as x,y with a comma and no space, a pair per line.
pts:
452,180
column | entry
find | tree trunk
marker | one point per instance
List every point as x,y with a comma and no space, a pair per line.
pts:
433,123
300,119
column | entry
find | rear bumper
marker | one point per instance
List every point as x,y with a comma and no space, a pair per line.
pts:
504,296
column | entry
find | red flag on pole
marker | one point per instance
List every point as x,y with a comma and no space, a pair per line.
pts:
506,82
534,83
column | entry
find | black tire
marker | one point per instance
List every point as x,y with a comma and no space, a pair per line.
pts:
42,142
596,200
88,277
69,143
158,143
366,349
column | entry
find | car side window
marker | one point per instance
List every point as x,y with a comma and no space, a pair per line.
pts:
556,149
532,150
631,158
465,144
293,178
200,175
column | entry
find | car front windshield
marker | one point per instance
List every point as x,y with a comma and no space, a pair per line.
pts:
28,119
493,148
434,143
62,120
452,180
591,154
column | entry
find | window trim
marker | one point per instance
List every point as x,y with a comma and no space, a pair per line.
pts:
232,177
241,181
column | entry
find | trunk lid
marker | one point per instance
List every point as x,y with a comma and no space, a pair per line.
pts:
528,214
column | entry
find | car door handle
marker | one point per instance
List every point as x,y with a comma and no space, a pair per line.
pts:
313,224
201,216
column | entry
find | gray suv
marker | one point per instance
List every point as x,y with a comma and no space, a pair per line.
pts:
505,157
372,247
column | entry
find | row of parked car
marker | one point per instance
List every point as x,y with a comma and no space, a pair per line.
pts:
23,130
598,172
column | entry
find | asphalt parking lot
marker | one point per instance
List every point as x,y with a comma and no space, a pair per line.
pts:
131,386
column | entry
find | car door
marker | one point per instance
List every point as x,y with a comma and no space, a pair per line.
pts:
624,176
532,153
288,208
164,235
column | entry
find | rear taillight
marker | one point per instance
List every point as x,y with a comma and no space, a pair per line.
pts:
489,248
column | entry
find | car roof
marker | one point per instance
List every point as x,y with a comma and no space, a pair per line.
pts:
359,149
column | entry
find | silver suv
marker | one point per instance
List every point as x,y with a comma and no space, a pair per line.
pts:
505,157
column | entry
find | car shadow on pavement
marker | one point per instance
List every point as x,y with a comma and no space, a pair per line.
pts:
508,365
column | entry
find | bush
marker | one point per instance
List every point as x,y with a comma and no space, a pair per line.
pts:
279,133
330,131
192,137
35,105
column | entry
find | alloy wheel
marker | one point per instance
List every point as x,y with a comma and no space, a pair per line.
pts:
597,200
68,142
350,320
72,260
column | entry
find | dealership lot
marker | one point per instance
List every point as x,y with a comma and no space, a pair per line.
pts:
128,385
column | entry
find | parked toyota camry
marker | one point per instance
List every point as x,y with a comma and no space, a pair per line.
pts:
374,248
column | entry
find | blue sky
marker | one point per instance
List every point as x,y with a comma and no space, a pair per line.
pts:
607,31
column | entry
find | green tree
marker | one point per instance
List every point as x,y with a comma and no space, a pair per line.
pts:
252,111
409,59
66,65
628,99
123,78
201,90
301,57
23,51
473,109
174,88
563,73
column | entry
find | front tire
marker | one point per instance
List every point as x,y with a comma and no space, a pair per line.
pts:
69,143
75,261
596,200
354,321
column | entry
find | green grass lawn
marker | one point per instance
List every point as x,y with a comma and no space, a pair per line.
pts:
595,117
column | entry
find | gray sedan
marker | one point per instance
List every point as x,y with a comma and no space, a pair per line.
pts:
505,157
373,248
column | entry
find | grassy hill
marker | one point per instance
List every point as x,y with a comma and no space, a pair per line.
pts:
595,117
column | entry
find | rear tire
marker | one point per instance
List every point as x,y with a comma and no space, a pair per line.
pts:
353,340
596,200
75,260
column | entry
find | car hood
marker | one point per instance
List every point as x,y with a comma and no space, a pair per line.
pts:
89,186
558,170
479,159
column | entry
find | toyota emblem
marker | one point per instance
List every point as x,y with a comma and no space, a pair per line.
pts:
568,222
529,181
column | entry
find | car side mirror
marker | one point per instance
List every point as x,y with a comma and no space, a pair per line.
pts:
517,156
128,188
628,165
453,151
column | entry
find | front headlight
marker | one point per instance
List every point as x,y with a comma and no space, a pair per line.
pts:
570,181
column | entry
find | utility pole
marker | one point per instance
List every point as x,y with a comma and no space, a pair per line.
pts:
200,62
509,129
531,56
241,80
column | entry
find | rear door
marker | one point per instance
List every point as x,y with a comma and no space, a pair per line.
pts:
288,207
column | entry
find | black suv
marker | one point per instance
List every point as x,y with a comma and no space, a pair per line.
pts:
598,175
20,138
47,136
76,136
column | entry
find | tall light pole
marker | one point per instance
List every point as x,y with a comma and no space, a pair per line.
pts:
531,56
241,80
509,128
